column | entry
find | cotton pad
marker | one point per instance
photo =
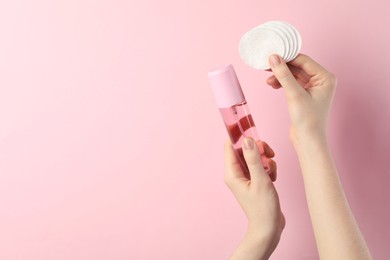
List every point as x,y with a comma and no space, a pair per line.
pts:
297,38
280,29
289,34
258,44
274,37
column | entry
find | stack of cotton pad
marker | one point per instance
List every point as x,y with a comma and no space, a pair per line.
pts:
275,37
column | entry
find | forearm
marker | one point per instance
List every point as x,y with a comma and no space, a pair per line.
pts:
336,231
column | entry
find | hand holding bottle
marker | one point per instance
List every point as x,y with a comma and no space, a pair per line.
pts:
258,198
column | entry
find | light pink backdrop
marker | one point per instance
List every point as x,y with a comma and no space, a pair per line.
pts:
111,143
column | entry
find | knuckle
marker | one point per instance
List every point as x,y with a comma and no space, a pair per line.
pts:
332,79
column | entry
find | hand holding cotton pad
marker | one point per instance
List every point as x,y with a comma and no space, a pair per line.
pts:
274,37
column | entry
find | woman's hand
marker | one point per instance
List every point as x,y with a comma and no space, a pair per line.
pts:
258,198
309,90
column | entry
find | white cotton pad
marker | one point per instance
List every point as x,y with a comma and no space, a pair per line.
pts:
274,37
297,38
258,44
289,34
280,31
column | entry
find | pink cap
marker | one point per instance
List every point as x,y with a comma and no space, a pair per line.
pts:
225,85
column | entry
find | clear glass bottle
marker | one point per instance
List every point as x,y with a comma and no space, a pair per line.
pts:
234,110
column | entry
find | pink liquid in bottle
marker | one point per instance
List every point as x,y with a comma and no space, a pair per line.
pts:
234,110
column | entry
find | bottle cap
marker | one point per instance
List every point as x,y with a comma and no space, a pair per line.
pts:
226,87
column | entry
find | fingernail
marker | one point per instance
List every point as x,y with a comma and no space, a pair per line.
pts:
274,60
248,143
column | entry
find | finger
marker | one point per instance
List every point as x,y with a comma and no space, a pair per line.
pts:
270,167
276,86
281,71
283,221
253,160
302,83
273,82
274,170
232,165
268,152
299,75
307,64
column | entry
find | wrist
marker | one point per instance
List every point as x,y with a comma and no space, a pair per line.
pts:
253,247
304,138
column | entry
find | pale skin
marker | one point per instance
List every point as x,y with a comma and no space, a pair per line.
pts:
309,90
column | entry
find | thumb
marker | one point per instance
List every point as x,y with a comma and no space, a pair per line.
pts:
253,160
285,77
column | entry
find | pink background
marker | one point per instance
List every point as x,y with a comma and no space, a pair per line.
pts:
111,143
